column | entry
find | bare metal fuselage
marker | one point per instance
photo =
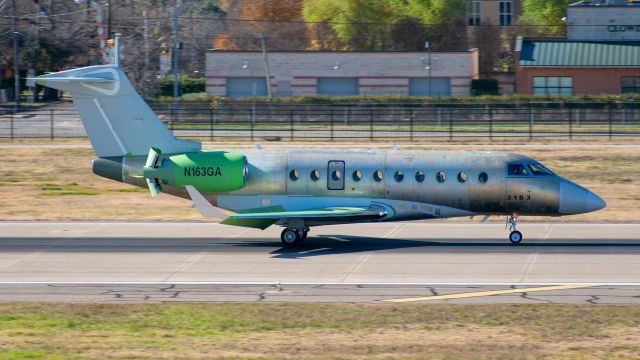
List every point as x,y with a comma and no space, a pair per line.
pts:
402,189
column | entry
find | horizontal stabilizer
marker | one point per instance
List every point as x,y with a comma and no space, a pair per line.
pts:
52,80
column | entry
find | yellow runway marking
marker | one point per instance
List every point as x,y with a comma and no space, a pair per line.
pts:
489,293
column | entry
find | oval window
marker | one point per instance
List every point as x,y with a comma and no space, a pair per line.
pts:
336,175
294,175
441,176
462,176
315,175
357,175
378,175
398,176
483,177
420,176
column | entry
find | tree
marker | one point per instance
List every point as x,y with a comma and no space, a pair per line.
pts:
392,24
546,16
279,21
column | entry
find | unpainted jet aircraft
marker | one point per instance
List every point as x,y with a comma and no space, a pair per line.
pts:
299,189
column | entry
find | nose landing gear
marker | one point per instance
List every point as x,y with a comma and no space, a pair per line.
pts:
512,222
292,237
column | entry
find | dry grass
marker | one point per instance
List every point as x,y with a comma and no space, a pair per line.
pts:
319,331
57,184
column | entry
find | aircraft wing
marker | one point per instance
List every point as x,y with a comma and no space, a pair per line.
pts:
262,218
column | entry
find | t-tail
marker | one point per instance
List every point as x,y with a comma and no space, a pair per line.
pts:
117,120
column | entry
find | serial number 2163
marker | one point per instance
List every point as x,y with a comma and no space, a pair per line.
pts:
518,197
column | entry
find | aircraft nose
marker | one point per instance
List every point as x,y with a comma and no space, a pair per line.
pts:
574,199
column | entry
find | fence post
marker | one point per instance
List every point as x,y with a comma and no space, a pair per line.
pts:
11,125
450,124
571,126
371,124
291,123
411,115
51,134
530,124
252,122
610,122
211,114
490,124
331,123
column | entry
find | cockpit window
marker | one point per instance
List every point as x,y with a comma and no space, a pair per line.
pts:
538,169
517,170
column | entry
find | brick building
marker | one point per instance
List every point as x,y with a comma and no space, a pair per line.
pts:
242,73
601,55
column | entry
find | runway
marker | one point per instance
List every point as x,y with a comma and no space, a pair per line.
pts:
396,262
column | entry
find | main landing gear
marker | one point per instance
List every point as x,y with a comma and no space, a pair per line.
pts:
292,237
515,236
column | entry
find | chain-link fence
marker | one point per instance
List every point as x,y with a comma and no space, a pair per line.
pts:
287,122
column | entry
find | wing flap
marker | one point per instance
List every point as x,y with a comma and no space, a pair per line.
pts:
331,212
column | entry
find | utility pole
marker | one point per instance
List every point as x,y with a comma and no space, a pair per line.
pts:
146,53
16,61
176,50
428,46
267,70
109,21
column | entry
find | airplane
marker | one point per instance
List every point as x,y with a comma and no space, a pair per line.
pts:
301,189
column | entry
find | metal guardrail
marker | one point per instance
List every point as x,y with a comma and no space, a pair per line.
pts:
332,123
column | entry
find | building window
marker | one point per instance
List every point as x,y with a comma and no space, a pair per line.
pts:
553,85
505,12
630,84
474,12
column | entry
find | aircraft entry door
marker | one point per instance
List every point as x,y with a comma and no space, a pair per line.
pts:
335,175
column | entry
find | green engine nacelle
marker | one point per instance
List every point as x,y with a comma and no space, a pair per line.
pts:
207,171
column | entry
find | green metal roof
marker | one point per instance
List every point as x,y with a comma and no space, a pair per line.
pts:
579,53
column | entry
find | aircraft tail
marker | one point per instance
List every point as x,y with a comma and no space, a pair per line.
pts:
116,118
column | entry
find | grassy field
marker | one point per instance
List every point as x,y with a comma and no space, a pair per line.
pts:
317,331
57,184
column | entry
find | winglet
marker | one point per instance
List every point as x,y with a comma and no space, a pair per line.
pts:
204,207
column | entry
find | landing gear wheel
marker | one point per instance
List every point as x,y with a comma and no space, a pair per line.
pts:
302,234
289,237
515,237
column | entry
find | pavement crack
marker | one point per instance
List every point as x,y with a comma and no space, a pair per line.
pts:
524,295
593,299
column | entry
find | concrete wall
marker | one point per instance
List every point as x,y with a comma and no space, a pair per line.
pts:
295,73
603,23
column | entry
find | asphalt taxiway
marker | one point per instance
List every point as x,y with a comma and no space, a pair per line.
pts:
395,262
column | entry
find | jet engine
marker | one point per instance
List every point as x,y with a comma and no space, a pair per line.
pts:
207,171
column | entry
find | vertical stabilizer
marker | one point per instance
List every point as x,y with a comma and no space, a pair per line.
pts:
116,118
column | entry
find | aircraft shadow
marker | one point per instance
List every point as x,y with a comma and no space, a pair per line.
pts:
347,244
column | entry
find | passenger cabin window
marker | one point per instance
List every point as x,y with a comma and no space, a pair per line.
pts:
420,176
539,170
315,175
483,177
462,176
378,175
399,176
336,175
357,175
517,170
441,176
294,175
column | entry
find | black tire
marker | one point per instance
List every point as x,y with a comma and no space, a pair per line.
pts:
302,235
515,237
289,237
